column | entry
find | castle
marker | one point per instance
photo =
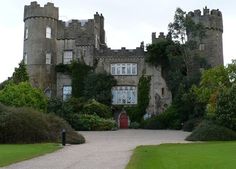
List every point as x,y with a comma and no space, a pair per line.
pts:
49,41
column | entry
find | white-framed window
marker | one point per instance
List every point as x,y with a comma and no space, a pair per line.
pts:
25,58
124,95
67,91
67,57
124,69
48,32
48,58
26,33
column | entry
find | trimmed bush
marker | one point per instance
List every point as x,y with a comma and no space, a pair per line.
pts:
88,122
191,124
25,125
134,125
94,107
165,120
208,131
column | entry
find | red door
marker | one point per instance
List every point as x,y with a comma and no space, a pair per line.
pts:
123,121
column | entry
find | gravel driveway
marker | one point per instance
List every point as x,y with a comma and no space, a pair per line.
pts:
103,150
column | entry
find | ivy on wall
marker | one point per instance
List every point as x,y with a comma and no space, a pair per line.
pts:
136,113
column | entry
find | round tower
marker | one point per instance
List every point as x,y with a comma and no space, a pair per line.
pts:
40,45
211,45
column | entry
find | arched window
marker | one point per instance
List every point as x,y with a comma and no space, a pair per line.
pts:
48,32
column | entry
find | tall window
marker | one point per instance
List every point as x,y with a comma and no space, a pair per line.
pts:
124,69
48,32
25,58
26,33
48,58
67,91
124,95
67,57
202,47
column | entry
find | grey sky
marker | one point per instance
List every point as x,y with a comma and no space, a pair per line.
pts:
127,22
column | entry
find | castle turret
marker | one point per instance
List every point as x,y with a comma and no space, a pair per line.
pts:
210,46
40,44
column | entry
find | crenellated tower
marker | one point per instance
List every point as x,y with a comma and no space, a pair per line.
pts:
40,44
211,45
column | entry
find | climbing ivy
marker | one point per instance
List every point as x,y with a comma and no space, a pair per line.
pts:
136,113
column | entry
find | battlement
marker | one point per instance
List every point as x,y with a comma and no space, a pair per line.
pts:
123,52
34,10
206,12
210,19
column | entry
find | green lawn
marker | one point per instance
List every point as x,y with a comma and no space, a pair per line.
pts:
11,153
211,155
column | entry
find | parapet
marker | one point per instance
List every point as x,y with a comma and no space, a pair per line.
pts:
34,10
206,12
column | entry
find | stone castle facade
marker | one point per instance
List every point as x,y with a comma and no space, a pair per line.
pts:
49,41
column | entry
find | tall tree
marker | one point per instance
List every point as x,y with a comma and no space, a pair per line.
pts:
20,74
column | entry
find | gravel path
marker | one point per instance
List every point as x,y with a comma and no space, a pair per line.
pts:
103,150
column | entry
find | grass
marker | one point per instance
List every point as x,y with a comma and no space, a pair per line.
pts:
12,153
210,155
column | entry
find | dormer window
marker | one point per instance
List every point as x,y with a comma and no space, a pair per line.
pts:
48,32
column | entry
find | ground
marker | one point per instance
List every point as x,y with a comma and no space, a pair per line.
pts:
103,150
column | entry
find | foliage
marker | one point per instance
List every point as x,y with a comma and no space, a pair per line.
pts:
94,107
217,155
90,122
226,108
134,125
62,68
24,125
23,94
136,113
79,72
20,74
191,124
98,86
166,120
208,131
17,152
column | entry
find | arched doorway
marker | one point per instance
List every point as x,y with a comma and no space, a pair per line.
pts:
123,121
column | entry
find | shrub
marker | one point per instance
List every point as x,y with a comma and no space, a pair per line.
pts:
94,107
25,125
134,125
90,122
23,95
165,120
208,131
191,124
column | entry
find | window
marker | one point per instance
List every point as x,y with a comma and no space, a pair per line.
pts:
202,47
162,91
48,32
67,91
26,33
25,59
48,58
124,95
124,69
68,57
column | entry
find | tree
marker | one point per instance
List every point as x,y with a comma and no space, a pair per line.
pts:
20,74
23,95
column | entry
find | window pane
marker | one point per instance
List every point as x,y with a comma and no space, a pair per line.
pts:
48,32
48,58
67,91
25,59
68,56
26,33
128,69
124,95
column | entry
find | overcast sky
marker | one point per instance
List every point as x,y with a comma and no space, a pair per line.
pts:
127,23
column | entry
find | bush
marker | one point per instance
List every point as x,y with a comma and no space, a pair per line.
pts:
208,131
165,120
94,107
90,122
25,125
23,95
134,125
191,124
